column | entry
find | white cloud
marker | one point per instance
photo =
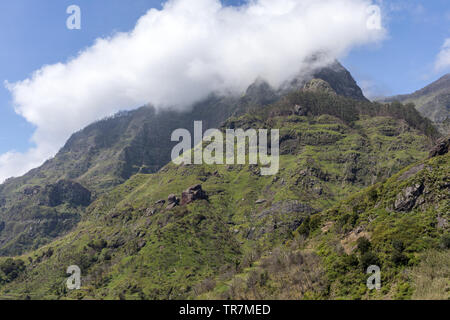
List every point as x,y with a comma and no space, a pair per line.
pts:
178,55
443,58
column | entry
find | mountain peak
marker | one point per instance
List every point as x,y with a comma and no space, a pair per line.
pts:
336,75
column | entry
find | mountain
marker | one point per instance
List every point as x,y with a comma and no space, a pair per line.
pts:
433,102
49,200
189,230
45,203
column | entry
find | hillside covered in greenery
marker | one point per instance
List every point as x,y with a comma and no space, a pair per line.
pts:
342,200
48,201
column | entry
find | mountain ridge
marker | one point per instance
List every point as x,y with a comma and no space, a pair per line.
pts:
433,101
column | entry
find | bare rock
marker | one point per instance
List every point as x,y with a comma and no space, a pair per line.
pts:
407,199
319,85
192,194
172,202
411,172
150,212
442,222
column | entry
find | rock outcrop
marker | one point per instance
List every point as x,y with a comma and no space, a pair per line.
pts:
319,85
442,147
172,202
407,199
192,194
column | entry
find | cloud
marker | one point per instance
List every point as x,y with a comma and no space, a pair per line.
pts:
443,58
178,55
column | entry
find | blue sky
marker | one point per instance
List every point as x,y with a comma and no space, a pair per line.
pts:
33,34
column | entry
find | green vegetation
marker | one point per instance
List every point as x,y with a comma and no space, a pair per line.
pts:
300,243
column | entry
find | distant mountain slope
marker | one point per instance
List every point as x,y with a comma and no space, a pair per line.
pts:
131,244
110,151
433,102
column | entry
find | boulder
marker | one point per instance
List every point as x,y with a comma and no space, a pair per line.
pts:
192,194
172,201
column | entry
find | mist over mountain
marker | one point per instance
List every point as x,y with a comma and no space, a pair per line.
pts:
108,152
179,55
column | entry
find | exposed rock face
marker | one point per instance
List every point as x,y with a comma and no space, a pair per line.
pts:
192,194
442,222
66,192
441,148
406,200
287,207
283,217
319,85
31,191
300,110
411,172
338,78
172,202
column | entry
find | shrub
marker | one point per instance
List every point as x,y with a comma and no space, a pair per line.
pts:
204,286
303,230
98,244
368,259
364,245
398,258
11,268
445,241
351,260
398,245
